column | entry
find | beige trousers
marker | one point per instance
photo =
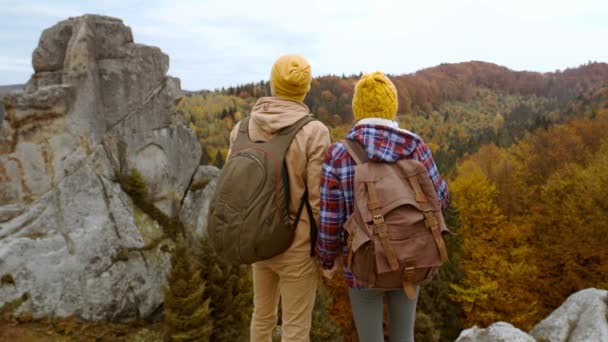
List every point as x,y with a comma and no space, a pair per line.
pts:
295,283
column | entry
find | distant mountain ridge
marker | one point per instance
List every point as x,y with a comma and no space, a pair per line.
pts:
10,87
455,107
428,89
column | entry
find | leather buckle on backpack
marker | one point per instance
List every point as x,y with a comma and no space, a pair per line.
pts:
378,219
409,271
430,221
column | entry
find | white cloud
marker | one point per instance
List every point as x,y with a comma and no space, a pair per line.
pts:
218,43
37,9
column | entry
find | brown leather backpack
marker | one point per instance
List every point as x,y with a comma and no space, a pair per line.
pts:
395,231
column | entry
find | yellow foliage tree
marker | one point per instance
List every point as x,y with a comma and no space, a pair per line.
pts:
494,254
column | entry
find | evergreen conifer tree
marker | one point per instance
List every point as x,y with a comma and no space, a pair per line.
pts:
187,304
231,293
219,159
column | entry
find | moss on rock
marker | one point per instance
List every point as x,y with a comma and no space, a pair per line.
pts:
134,184
200,184
10,307
7,279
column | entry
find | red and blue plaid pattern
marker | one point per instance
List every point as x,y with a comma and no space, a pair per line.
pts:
382,143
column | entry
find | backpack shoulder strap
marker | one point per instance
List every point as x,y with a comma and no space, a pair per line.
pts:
356,151
283,138
293,129
430,218
242,136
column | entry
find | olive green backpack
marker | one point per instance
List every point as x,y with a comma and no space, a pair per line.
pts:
248,216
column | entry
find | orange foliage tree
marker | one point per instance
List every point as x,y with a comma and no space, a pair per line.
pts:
533,222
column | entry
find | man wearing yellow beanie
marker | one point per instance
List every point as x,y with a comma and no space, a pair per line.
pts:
375,105
292,275
290,77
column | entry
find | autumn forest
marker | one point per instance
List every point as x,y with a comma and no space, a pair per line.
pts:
525,155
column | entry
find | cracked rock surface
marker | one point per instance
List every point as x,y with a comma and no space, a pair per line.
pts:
583,317
98,106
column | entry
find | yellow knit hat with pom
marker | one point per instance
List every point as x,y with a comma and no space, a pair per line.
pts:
290,77
375,97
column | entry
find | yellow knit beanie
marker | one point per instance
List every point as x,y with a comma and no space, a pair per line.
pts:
375,97
290,77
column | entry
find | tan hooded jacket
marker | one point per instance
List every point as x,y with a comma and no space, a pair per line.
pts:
304,159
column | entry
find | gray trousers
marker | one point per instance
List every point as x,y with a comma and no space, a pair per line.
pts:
367,306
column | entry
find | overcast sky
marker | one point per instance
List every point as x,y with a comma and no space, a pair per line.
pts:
221,42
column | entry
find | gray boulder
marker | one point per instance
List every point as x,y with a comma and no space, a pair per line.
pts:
98,107
194,211
497,332
582,317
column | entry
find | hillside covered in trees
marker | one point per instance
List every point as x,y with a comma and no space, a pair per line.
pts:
455,107
510,144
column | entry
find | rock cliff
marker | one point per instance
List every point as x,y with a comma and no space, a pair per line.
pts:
98,107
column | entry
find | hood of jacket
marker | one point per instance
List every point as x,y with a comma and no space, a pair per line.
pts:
272,114
383,140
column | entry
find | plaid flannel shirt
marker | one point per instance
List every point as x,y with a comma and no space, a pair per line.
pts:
382,143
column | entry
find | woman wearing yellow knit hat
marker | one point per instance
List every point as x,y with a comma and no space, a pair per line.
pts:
379,139
291,275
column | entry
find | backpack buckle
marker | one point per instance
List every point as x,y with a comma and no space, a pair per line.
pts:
430,221
409,271
378,219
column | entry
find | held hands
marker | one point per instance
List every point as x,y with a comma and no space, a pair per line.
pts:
331,272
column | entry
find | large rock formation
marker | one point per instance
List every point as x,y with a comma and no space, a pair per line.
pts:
98,107
583,317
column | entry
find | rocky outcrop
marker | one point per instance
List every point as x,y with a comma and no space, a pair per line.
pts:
582,317
196,203
497,332
3,91
98,107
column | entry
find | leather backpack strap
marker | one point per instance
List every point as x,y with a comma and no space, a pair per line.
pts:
356,151
380,227
430,219
408,277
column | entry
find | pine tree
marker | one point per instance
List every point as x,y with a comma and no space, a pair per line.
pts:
231,293
205,158
187,306
425,329
219,159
